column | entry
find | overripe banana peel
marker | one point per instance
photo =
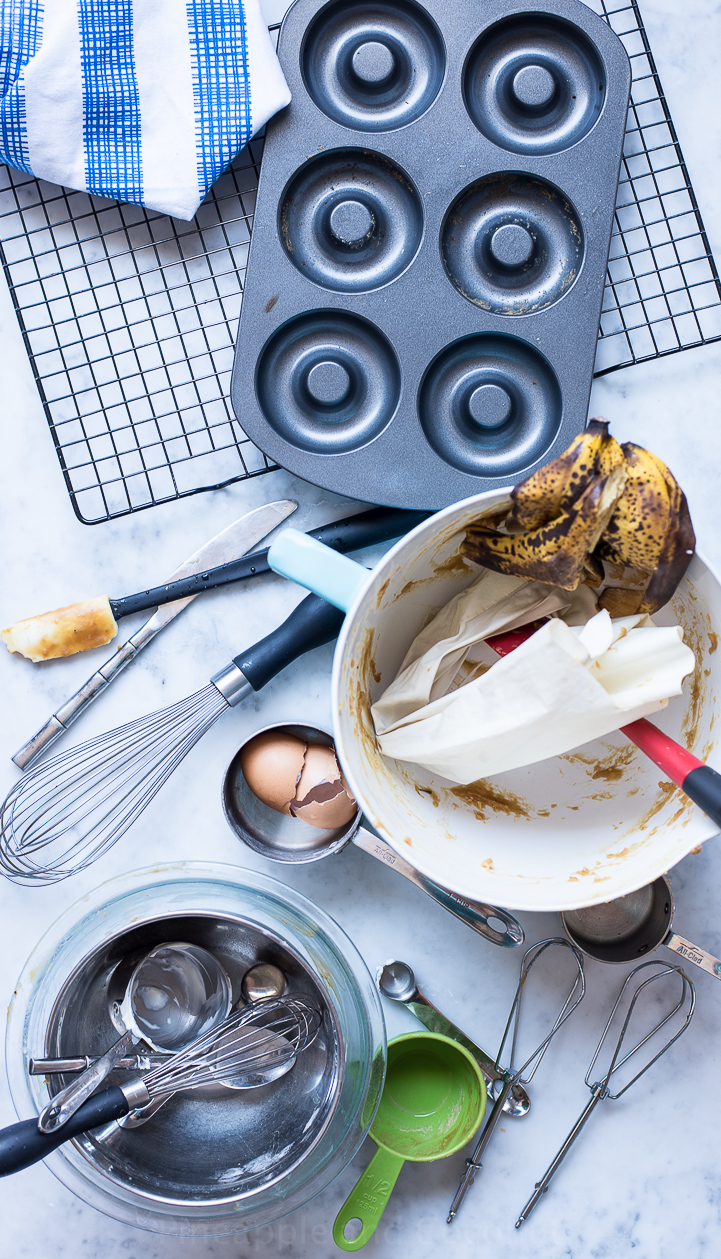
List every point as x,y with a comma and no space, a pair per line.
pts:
548,493
597,511
651,529
555,552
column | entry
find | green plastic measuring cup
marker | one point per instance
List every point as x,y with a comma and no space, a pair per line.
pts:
433,1101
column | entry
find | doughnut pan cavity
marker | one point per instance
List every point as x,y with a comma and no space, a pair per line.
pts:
430,243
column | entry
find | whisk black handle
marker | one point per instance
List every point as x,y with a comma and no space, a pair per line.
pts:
23,1143
311,624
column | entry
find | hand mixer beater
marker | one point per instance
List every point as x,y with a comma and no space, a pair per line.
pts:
512,1077
600,1088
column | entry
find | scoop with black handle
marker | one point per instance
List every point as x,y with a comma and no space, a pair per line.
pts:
23,1143
367,528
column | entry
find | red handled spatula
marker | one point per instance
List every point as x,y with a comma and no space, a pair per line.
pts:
699,781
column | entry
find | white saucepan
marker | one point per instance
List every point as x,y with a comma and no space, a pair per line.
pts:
562,834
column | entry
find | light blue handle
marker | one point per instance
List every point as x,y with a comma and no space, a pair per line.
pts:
317,567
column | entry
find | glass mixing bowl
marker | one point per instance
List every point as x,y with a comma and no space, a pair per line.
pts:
212,1161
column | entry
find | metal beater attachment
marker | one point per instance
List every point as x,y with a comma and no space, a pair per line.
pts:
512,1076
600,1089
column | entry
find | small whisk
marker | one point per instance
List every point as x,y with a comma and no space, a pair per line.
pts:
525,1073
600,1088
64,814
249,1048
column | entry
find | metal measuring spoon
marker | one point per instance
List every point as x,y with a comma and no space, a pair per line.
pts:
627,928
283,838
264,982
396,981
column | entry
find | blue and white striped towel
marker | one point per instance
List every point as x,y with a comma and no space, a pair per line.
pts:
140,100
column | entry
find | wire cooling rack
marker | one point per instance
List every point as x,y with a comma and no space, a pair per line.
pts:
129,317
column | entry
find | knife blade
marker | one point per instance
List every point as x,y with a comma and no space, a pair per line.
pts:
229,544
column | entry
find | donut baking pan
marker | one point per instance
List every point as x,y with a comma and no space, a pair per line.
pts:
430,244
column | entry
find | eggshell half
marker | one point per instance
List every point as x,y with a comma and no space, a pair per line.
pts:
322,798
272,764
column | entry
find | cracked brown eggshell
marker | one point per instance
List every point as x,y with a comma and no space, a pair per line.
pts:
272,764
322,797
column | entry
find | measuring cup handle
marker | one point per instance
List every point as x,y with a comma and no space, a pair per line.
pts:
475,914
694,954
367,1199
334,577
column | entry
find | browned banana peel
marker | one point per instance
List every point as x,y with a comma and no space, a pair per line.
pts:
600,513
651,528
62,632
555,552
548,493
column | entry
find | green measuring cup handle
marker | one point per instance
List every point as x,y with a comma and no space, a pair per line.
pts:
367,1200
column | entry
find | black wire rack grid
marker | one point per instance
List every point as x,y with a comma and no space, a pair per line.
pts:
129,317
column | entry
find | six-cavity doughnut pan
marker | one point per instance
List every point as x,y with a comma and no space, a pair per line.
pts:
430,244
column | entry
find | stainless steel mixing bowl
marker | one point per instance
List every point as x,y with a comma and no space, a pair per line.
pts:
212,1161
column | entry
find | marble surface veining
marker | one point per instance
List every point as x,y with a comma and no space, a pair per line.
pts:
644,1178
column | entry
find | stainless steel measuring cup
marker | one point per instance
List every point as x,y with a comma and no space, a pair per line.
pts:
283,838
625,929
166,998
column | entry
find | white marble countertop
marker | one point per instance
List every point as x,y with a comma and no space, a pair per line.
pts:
644,1178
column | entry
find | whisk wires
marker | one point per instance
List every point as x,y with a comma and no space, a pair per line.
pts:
575,995
67,812
246,1041
600,1089
687,1000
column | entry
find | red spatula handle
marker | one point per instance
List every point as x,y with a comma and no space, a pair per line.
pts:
699,781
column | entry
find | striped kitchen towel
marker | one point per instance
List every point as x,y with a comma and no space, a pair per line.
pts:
141,100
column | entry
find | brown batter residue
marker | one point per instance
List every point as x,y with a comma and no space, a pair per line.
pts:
713,641
381,592
359,700
695,635
454,564
608,773
428,791
666,792
611,768
482,796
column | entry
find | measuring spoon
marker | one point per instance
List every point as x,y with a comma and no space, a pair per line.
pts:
627,928
283,838
396,981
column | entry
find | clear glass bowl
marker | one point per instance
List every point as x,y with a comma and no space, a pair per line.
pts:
193,1169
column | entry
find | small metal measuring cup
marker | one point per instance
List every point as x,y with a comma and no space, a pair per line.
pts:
625,929
166,998
283,838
